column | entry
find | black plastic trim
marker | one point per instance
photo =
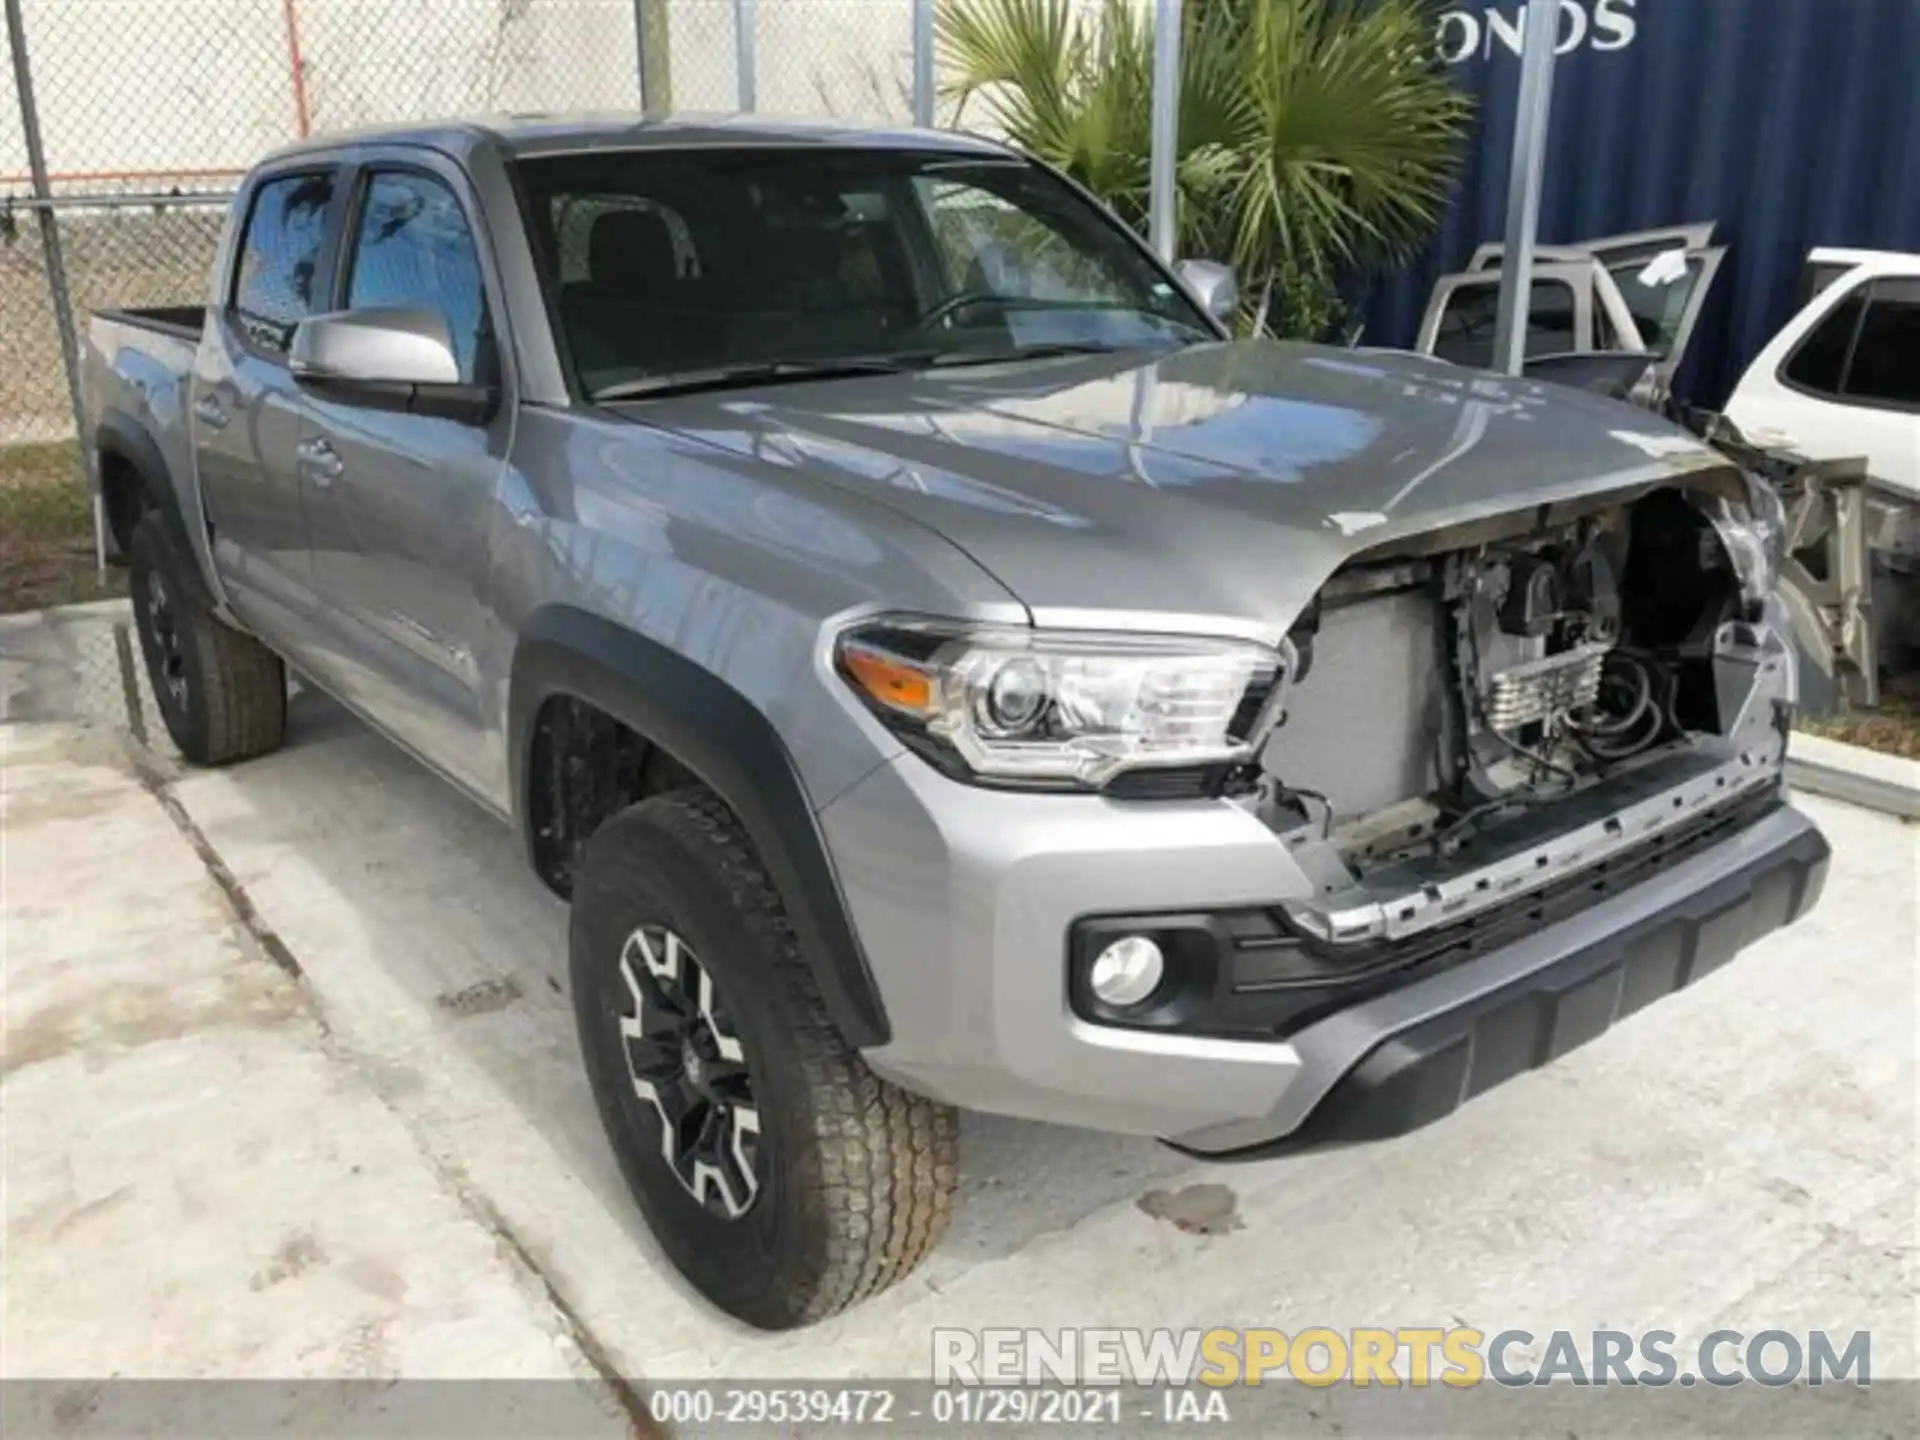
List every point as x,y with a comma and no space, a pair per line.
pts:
720,736
1414,1076
119,434
1254,977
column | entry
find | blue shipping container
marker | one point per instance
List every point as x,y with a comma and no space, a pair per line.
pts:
1793,123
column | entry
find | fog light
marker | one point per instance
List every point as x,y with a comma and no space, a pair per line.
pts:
1126,972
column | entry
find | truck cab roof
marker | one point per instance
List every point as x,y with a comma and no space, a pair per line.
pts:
533,134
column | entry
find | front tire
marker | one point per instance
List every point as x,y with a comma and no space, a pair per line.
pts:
782,1177
222,694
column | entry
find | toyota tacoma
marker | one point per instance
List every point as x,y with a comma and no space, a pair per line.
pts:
942,666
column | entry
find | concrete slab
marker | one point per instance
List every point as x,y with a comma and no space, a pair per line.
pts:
1741,1155
197,1181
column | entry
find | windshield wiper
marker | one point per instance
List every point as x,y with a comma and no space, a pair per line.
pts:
757,372
773,372
1032,352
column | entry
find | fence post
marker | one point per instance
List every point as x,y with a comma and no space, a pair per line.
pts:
923,63
651,44
743,37
1534,106
56,265
1163,223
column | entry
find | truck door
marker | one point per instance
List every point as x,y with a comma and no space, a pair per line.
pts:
245,406
400,504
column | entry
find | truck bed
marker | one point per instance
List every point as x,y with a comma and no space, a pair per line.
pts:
184,321
138,365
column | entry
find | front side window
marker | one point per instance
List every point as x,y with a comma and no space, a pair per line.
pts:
413,248
280,251
665,263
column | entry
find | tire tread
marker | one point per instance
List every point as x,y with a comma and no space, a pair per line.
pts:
238,710
883,1163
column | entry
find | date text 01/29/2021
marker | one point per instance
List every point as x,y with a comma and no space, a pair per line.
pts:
938,1405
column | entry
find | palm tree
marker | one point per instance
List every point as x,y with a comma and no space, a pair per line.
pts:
1316,136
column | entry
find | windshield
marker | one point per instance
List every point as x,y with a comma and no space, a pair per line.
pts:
683,263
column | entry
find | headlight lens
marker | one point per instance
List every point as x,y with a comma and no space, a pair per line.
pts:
1059,708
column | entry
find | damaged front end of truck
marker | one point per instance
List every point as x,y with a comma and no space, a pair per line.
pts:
1479,731
1486,728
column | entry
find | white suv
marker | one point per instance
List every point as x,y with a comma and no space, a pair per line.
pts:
1843,378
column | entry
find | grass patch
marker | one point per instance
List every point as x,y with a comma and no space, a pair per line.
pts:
46,530
1893,729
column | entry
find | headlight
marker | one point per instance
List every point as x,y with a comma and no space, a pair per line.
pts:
1057,709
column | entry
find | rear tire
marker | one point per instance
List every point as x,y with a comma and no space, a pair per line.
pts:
847,1181
222,694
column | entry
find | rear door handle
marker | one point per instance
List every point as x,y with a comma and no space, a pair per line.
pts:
320,460
210,412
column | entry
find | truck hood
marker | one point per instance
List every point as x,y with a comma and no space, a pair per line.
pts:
1224,482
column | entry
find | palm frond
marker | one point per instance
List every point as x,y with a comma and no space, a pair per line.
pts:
1314,134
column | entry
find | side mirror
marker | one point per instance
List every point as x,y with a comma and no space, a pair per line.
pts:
1214,285
387,358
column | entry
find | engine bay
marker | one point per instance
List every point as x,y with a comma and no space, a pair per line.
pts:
1482,694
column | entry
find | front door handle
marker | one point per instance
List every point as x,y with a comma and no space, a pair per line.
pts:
320,461
210,412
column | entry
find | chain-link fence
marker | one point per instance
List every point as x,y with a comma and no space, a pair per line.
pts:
125,125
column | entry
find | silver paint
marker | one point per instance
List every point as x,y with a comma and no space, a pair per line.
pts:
1210,490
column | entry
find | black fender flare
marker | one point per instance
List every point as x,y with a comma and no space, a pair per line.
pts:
725,740
121,435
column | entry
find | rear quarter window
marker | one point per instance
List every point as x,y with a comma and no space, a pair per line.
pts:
1820,363
1886,355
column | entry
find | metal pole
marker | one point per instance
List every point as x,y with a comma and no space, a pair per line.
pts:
640,50
1163,223
652,54
56,265
743,75
923,62
1534,110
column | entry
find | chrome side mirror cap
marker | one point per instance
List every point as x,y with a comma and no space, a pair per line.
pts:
388,358
1214,285
381,345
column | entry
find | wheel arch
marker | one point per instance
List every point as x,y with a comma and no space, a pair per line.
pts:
724,741
133,478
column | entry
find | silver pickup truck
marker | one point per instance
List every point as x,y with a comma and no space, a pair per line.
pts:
943,667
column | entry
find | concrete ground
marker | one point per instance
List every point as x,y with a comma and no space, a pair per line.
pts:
390,1164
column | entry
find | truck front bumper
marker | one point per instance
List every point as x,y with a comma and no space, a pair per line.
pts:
966,901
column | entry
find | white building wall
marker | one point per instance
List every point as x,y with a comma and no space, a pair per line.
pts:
170,91
162,92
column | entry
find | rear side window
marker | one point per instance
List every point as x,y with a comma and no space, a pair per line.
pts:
413,248
278,275
1820,363
1886,357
